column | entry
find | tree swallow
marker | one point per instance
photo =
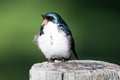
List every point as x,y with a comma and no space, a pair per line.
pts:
55,38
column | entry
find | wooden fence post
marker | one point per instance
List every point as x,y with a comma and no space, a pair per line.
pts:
75,70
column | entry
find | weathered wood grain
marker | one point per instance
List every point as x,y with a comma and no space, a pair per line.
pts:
75,70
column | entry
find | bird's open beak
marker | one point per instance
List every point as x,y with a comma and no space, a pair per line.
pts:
45,21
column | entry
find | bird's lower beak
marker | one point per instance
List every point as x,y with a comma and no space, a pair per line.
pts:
45,21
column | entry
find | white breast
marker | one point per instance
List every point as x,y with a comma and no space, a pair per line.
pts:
54,44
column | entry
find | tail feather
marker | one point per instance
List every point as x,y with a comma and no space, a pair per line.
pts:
73,48
75,54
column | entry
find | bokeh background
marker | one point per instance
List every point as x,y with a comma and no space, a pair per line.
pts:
95,25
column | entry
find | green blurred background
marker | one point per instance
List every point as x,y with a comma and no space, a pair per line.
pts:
95,25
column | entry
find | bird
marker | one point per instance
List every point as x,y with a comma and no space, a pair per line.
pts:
55,39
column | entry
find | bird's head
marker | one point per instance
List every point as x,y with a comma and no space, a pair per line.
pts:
51,17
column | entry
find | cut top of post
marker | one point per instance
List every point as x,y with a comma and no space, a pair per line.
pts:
76,65
75,70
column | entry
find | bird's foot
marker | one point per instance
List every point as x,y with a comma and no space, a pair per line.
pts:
64,60
51,60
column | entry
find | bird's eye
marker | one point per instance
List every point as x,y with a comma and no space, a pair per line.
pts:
50,18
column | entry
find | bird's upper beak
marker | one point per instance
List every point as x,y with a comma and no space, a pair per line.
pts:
45,21
43,16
